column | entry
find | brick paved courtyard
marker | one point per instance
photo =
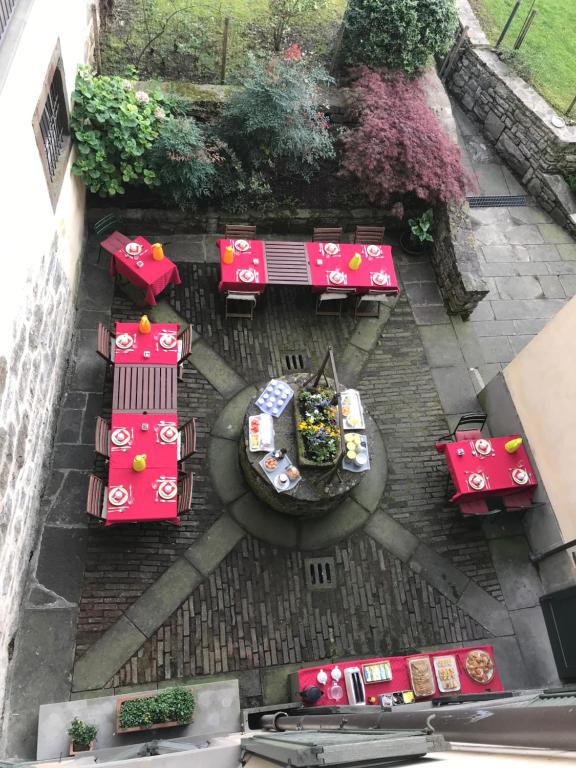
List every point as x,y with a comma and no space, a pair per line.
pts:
255,609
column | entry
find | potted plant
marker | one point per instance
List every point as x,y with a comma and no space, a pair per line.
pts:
82,736
318,434
172,707
415,240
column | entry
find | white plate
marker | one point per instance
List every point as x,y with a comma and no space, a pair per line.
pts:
241,245
477,481
168,340
483,446
247,275
120,436
124,341
167,489
337,277
331,249
380,278
520,476
169,433
134,249
117,495
373,250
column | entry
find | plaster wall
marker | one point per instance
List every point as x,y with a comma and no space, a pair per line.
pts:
41,249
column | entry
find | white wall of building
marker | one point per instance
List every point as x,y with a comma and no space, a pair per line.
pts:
40,256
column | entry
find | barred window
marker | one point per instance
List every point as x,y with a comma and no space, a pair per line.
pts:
51,126
6,10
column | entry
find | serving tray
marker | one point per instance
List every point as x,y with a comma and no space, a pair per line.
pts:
271,475
274,389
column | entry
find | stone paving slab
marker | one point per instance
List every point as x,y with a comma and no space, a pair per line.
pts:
224,379
230,483
486,611
230,421
530,630
206,554
521,585
392,536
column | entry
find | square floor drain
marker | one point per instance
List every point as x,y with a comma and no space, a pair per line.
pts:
320,572
296,361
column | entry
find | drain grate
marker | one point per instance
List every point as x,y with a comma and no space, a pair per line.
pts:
497,201
296,361
320,572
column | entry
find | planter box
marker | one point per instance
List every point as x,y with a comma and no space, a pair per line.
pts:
74,750
302,459
168,724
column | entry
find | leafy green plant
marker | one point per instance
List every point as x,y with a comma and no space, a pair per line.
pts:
113,126
318,426
398,34
571,183
274,122
186,162
421,227
173,704
82,734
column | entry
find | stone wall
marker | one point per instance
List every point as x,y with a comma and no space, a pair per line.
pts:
517,120
30,384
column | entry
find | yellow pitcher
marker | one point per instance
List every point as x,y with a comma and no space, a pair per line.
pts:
355,261
512,445
157,251
139,463
228,255
144,325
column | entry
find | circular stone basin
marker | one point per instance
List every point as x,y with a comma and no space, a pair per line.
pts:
320,489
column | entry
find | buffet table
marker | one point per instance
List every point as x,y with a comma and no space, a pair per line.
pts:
478,659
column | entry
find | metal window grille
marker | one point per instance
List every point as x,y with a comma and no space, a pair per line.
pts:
6,10
53,123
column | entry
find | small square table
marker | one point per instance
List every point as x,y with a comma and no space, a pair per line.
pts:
152,277
247,272
144,504
376,260
147,348
132,434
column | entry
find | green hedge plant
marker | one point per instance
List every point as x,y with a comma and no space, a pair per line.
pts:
398,34
173,704
82,734
113,126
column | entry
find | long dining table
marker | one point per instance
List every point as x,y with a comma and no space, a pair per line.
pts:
255,264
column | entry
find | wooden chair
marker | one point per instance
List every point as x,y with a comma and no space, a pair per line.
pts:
104,344
102,440
368,304
330,303
185,486
327,235
113,240
187,440
240,232
95,504
184,344
369,235
469,426
240,304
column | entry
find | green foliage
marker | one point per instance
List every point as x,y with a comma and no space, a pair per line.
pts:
113,126
285,14
274,121
318,425
82,734
185,162
398,34
173,704
571,183
421,228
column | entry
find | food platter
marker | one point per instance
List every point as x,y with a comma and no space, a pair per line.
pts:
274,397
358,444
447,674
479,666
351,408
282,474
261,433
421,676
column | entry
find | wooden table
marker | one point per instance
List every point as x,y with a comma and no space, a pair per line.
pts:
145,388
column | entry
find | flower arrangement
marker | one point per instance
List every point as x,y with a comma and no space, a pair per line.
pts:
317,426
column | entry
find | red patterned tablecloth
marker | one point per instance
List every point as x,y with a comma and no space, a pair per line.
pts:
247,264
139,433
147,343
152,277
463,460
324,263
400,676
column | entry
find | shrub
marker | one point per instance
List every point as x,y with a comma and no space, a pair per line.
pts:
398,34
82,734
113,126
571,183
173,704
399,146
186,162
274,121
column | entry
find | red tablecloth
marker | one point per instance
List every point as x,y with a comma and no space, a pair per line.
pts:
400,676
146,342
496,467
361,279
151,278
248,262
159,452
